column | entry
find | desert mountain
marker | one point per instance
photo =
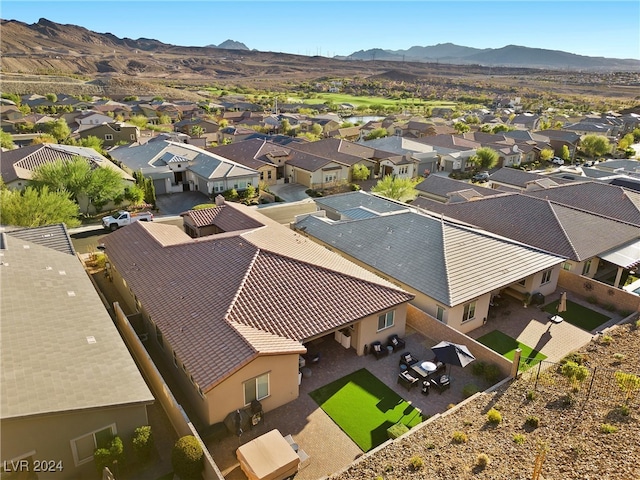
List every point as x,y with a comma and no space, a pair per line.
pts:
509,56
230,45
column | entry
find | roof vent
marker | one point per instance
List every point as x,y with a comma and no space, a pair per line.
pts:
71,293
91,339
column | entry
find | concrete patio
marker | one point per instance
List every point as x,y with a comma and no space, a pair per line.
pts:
532,326
329,448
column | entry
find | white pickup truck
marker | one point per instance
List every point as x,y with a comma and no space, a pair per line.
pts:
123,218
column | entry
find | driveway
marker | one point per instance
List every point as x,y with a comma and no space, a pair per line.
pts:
176,203
289,192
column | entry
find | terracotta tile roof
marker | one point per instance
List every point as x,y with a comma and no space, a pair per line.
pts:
199,291
251,153
299,300
443,187
223,217
520,178
338,150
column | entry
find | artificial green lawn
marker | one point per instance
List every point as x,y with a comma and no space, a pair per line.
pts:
506,346
364,407
578,315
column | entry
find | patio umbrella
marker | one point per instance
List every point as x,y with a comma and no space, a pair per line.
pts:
562,304
453,354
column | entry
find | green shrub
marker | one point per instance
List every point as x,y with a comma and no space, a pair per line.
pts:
482,460
187,458
430,446
574,371
494,416
519,438
575,357
396,430
608,428
492,373
416,462
354,187
388,468
637,323
469,389
606,339
143,443
567,400
531,395
102,458
532,421
619,357
477,368
624,410
459,437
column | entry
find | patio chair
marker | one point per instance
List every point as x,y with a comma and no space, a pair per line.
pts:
396,343
407,380
407,359
378,350
441,383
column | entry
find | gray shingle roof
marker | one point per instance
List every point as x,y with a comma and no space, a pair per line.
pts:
563,230
450,263
350,200
443,187
236,279
55,237
520,178
603,199
60,349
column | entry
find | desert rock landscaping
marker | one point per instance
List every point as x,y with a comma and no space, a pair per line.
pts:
576,420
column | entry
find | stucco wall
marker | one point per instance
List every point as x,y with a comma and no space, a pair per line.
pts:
50,436
367,331
604,294
283,386
438,331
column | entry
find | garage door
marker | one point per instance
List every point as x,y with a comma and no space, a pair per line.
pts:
160,185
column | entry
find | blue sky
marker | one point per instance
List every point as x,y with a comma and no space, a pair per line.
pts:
593,28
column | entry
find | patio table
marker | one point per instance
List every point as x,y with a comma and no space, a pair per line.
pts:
424,369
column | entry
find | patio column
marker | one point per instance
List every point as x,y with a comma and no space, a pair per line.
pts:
618,277
516,362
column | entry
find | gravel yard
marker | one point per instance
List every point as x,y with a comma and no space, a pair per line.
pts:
573,417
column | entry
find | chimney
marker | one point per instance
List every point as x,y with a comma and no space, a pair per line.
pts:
219,200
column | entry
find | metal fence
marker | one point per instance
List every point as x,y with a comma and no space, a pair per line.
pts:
583,385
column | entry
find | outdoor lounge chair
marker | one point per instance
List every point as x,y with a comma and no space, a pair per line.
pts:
407,380
441,383
378,350
396,343
407,360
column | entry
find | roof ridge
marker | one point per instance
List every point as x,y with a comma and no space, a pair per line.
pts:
446,265
566,235
239,290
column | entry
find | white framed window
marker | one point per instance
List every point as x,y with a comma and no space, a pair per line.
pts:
586,267
269,174
440,313
256,389
218,187
469,312
108,136
261,176
84,446
132,136
386,320
546,277
566,266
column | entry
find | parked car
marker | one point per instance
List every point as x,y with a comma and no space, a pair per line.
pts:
481,177
557,161
123,218
588,163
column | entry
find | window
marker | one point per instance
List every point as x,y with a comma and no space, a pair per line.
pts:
262,176
132,136
522,282
586,267
469,311
566,266
83,447
218,187
386,320
108,136
269,174
440,313
256,388
546,277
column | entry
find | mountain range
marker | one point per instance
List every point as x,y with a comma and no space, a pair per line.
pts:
508,56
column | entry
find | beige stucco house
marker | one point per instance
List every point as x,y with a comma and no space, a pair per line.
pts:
68,381
452,269
234,310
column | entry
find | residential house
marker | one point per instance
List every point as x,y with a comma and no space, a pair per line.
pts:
18,165
87,117
447,190
177,167
559,138
347,133
512,179
563,230
209,127
423,157
260,155
68,381
453,151
453,270
111,134
526,121
234,134
233,311
342,152
589,128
